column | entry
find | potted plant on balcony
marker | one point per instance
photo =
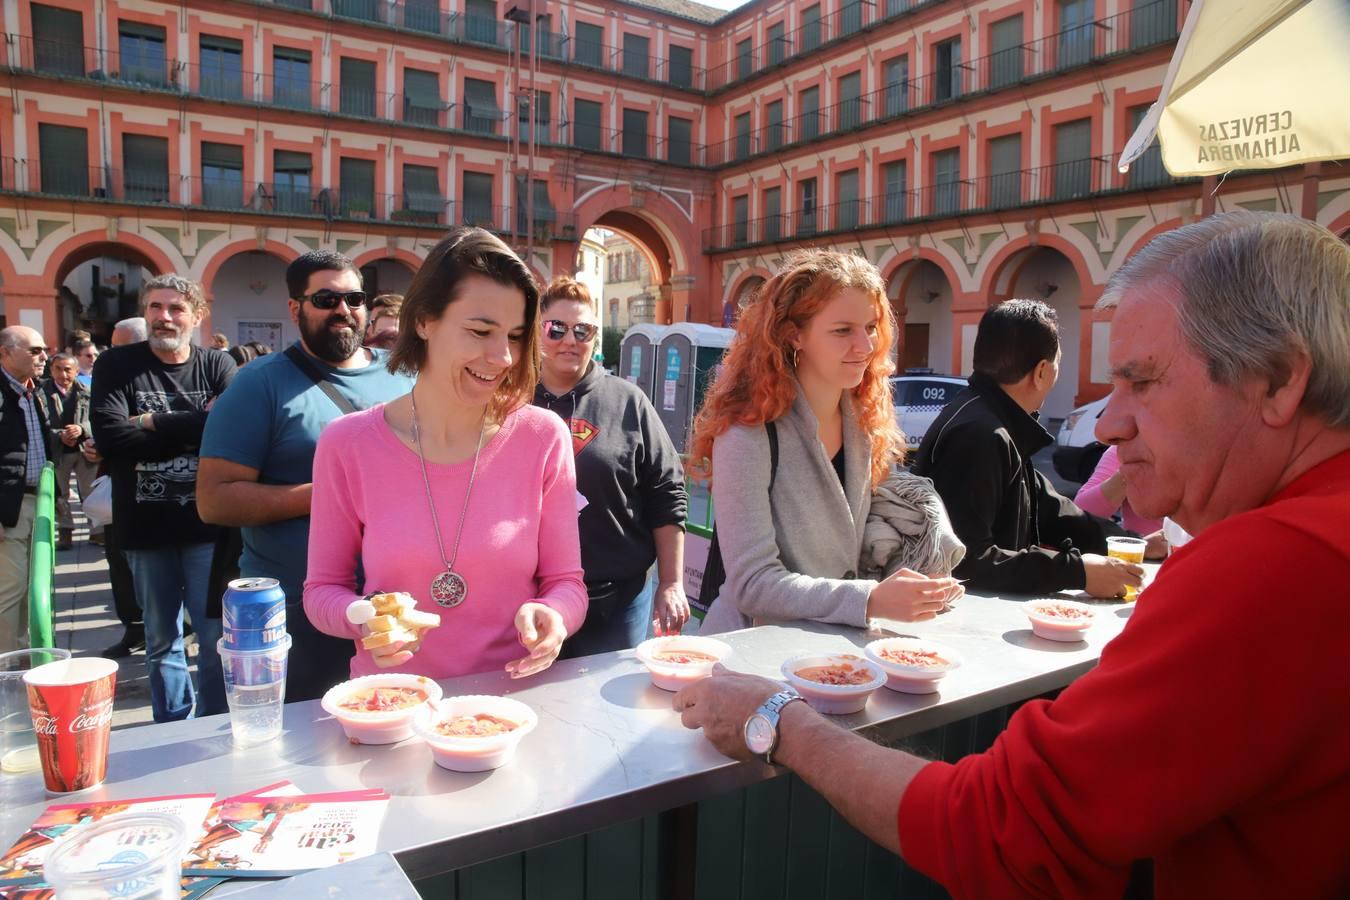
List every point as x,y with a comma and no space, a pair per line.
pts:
358,209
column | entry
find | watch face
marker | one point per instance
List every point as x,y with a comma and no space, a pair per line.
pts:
759,734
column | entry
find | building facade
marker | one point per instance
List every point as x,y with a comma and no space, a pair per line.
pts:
967,148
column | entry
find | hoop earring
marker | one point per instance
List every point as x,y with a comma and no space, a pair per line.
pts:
796,355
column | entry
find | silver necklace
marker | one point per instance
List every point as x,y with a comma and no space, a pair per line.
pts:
448,589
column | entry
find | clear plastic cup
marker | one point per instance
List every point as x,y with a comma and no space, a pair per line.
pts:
133,856
18,740
255,688
1130,549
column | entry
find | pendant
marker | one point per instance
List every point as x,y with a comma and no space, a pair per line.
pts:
449,589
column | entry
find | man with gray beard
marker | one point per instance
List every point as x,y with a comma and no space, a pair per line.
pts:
257,457
148,412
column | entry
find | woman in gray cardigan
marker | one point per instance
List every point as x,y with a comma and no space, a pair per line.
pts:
811,360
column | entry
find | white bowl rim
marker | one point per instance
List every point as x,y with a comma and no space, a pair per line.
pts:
430,712
379,679
1033,606
791,665
954,660
644,650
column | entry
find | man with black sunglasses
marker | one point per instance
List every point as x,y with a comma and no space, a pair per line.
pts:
25,446
258,451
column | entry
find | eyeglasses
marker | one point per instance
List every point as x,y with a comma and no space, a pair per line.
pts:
38,351
582,331
327,299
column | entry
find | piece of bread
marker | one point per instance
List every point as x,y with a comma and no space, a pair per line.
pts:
380,639
382,623
391,604
416,618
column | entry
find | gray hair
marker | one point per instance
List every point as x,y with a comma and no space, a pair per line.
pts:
64,357
136,325
11,336
1256,288
191,290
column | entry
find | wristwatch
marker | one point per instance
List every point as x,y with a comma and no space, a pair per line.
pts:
761,729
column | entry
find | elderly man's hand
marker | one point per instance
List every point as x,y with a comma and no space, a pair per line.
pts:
721,704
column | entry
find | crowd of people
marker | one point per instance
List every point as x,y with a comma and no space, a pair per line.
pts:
461,444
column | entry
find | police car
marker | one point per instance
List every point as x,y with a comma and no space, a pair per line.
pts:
919,396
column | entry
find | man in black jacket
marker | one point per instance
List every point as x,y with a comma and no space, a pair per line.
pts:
25,447
68,403
1021,535
149,410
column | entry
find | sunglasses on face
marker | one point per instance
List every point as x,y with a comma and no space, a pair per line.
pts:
327,299
38,351
582,331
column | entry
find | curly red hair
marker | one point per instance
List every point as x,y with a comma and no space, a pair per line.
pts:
757,383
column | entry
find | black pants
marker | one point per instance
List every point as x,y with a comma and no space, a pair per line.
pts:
119,573
317,661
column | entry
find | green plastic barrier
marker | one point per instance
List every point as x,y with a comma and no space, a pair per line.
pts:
42,561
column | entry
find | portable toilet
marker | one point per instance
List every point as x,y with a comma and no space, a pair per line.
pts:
637,355
687,361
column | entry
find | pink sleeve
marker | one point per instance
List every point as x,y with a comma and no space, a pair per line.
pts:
335,530
1090,497
559,574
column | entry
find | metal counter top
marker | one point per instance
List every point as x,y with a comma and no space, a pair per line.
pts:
608,747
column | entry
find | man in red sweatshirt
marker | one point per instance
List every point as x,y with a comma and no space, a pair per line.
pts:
1214,736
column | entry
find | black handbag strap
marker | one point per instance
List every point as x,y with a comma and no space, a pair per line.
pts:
714,572
302,362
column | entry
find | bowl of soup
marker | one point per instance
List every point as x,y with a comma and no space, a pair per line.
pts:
1060,620
912,665
379,709
834,684
474,733
679,661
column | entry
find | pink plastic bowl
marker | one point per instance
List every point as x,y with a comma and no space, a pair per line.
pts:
912,679
1060,628
378,727
670,676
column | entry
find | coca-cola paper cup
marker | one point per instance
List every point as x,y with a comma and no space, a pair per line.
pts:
72,704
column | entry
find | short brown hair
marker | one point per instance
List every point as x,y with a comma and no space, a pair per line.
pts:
462,253
564,288
385,305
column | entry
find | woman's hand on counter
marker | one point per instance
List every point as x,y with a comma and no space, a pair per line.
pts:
908,596
541,631
721,704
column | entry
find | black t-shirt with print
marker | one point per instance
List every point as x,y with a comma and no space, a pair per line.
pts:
154,472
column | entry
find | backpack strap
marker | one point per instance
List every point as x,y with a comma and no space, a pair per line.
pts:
303,363
772,429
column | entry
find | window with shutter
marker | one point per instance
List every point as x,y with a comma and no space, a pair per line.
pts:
142,54
422,198
740,220
63,154
544,216
481,113
810,30
773,214
145,168
946,182
1005,176
774,115
896,73
679,136
847,205
742,127
292,190
222,175
806,206
778,48
586,125
422,101
58,40
947,70
222,67
681,66
1006,51
422,15
589,50
895,176
1073,163
480,22
477,200
290,78
1152,22
1074,44
810,114
634,133
745,59
1147,170
543,105
850,17
850,101
356,187
636,61
357,89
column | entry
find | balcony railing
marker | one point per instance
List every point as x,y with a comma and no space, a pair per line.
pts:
1062,182
1140,27
289,197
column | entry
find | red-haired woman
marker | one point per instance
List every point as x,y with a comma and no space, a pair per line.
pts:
808,370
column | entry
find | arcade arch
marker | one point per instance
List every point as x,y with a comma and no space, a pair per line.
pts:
921,294
248,300
1045,273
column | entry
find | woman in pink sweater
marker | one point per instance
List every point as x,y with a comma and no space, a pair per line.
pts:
1104,495
459,493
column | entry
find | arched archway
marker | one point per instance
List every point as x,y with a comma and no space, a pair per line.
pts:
248,298
98,282
384,274
922,294
742,293
1045,273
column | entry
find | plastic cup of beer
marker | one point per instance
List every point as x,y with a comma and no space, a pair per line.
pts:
133,856
255,688
71,701
1130,549
18,741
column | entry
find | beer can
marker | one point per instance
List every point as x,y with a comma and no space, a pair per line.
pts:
254,614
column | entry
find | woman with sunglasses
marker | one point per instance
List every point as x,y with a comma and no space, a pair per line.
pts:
472,508
807,372
629,475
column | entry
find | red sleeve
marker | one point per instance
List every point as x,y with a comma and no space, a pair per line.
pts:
1186,718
